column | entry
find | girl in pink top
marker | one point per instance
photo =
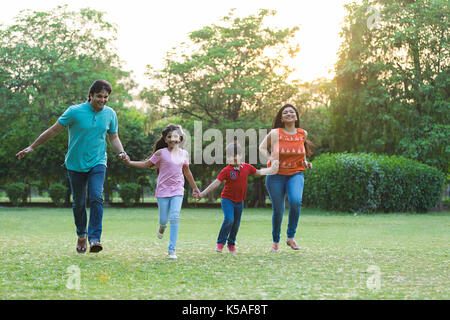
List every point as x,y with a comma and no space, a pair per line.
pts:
172,163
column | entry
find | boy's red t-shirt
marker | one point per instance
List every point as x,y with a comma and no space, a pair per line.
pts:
235,181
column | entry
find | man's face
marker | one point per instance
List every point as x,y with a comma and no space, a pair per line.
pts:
99,99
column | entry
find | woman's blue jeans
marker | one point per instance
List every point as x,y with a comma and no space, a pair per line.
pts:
278,186
169,211
92,181
232,212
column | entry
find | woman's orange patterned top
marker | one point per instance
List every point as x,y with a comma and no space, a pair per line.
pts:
290,151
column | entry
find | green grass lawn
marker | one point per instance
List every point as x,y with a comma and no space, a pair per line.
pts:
342,256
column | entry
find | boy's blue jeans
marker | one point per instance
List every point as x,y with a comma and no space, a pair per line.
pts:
278,186
232,212
169,211
92,181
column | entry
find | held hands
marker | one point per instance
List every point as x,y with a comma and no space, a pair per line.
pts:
308,165
196,194
274,166
124,157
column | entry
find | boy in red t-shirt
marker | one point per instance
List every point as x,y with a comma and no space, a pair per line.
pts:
233,194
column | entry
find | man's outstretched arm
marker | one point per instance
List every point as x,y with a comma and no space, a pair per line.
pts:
44,137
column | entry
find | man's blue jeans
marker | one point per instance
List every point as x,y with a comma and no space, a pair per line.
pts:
169,211
92,181
232,212
278,186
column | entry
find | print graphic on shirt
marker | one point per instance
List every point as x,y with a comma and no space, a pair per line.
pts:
233,175
290,148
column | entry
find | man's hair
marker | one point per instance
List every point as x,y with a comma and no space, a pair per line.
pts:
99,85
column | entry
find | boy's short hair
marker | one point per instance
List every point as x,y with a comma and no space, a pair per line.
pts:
233,149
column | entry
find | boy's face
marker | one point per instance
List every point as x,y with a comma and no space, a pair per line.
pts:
234,160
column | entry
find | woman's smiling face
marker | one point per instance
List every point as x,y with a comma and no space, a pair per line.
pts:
288,115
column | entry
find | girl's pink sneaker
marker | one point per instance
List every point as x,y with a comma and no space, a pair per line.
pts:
219,247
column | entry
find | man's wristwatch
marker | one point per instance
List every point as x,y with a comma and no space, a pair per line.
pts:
121,153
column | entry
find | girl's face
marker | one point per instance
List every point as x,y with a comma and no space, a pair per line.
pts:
173,138
288,115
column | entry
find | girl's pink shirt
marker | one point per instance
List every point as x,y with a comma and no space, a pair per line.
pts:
170,177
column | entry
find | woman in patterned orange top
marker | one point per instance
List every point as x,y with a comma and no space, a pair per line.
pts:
287,143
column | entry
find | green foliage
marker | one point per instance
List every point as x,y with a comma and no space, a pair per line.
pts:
16,192
48,60
57,193
136,143
129,193
392,81
369,183
313,105
224,72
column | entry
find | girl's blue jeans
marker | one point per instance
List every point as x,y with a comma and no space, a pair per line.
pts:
232,212
91,181
169,211
278,186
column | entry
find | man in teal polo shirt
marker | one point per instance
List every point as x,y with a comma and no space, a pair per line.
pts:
89,124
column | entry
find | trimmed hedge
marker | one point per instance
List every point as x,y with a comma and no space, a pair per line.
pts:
369,183
57,193
129,192
17,192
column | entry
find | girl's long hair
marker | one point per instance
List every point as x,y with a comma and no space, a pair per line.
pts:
277,123
161,142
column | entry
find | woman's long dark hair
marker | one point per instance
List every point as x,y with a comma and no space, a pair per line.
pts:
277,123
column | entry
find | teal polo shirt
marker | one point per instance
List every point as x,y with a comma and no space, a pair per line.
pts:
87,135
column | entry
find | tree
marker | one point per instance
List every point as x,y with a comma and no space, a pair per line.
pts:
229,75
229,71
137,144
48,60
313,102
392,81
